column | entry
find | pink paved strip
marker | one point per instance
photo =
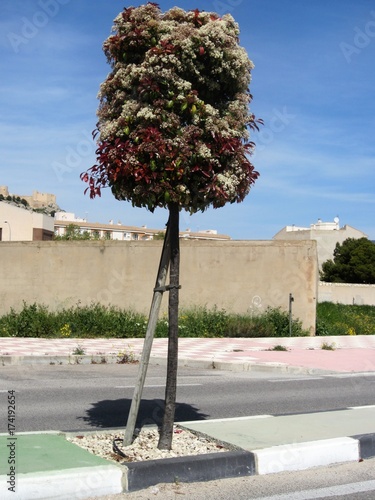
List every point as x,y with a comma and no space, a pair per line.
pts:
351,353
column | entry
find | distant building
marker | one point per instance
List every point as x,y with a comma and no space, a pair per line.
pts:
327,234
27,218
122,232
36,200
20,224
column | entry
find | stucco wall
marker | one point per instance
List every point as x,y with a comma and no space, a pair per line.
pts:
347,293
239,276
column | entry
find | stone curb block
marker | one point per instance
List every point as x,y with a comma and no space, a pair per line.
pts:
140,475
366,445
301,456
77,483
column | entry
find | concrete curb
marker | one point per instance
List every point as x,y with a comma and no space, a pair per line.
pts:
241,366
366,444
289,457
140,475
302,456
268,367
81,482
72,359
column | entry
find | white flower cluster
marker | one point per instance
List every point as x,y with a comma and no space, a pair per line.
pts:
178,98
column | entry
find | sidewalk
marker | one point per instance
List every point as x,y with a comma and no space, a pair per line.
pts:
304,355
50,467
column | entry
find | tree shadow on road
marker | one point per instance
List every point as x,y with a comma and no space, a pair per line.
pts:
114,413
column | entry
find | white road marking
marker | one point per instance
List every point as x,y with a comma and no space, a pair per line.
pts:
360,407
153,386
328,492
293,379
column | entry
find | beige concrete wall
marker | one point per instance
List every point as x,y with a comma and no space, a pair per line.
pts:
346,293
239,276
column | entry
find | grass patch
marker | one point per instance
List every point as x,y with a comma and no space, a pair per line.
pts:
339,319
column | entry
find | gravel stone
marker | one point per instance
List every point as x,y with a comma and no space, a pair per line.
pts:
144,447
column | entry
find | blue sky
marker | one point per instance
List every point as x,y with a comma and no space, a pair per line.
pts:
313,85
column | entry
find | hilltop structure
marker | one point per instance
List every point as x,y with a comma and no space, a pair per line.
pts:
37,201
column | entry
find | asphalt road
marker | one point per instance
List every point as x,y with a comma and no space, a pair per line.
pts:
87,397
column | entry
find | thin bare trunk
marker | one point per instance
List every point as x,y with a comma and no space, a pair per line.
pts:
166,432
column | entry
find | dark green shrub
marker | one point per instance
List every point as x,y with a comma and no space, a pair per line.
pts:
32,321
280,323
247,326
97,320
197,322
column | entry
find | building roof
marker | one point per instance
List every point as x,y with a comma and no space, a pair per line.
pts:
85,225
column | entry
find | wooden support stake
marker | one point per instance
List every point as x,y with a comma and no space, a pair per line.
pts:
150,332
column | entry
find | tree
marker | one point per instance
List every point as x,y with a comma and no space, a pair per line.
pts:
173,128
159,236
353,262
73,232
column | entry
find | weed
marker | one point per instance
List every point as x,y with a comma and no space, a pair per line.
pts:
79,351
125,356
328,347
278,348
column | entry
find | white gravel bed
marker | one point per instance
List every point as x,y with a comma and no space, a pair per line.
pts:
144,447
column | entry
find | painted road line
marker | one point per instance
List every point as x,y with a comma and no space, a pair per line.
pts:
218,420
328,492
294,379
153,386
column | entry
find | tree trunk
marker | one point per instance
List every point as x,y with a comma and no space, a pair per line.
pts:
166,432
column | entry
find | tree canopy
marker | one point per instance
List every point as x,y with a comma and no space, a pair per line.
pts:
353,262
174,113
